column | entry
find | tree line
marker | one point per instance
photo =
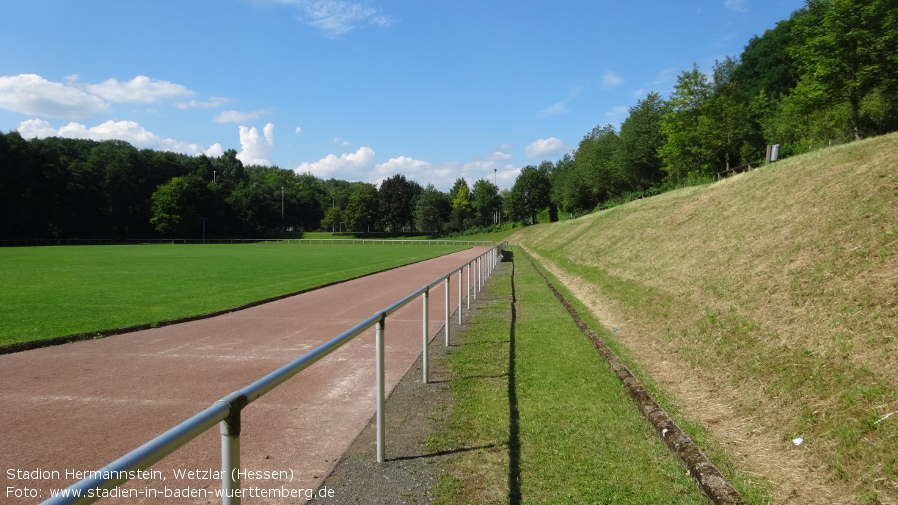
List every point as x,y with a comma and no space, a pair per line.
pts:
827,74
76,188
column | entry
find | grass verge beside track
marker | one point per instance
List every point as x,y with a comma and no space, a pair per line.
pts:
540,418
50,292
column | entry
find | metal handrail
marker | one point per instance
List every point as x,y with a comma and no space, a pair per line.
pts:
226,411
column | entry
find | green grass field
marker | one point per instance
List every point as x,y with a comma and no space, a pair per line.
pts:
56,291
539,417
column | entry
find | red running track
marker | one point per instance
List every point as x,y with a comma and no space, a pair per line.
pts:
77,407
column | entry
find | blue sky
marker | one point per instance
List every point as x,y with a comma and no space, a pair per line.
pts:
358,90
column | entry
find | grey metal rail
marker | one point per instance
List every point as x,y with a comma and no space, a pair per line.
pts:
226,411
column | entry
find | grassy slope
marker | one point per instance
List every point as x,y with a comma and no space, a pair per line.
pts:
55,291
780,289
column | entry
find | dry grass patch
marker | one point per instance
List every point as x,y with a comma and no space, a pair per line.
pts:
768,303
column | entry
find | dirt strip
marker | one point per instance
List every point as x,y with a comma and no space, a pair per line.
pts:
709,478
73,408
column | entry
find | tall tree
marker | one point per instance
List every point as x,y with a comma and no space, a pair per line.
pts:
485,202
846,49
177,207
595,161
530,194
396,195
568,189
640,140
363,208
686,152
766,63
731,127
432,210
460,198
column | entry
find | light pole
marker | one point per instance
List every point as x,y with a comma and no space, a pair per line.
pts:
283,223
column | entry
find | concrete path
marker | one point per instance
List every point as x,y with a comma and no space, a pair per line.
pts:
77,407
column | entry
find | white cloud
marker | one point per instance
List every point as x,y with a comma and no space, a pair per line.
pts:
404,165
617,111
36,128
338,17
129,131
555,109
611,80
351,166
298,129
543,147
214,151
140,89
256,149
735,5
32,94
665,77
233,116
215,101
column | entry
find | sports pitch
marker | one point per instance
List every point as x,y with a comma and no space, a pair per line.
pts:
50,292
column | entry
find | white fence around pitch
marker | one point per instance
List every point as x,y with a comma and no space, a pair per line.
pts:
296,241
226,412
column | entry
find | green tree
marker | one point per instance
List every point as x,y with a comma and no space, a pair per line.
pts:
256,207
176,207
846,50
485,202
396,195
229,170
568,189
595,163
16,186
766,64
363,208
124,196
686,152
460,197
333,217
530,194
732,131
432,210
640,140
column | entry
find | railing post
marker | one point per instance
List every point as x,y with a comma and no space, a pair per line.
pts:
479,273
469,285
379,346
447,310
230,451
425,334
459,296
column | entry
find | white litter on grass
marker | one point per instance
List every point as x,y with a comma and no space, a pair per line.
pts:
797,441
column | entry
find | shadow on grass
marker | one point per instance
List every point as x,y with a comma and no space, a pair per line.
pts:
514,433
443,453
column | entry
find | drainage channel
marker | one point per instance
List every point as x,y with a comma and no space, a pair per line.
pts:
709,478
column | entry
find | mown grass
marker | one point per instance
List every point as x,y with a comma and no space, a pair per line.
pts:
776,290
56,291
540,418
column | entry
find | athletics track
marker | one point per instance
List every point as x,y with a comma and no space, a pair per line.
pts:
77,407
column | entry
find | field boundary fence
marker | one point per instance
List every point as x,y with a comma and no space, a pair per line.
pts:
226,412
295,241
